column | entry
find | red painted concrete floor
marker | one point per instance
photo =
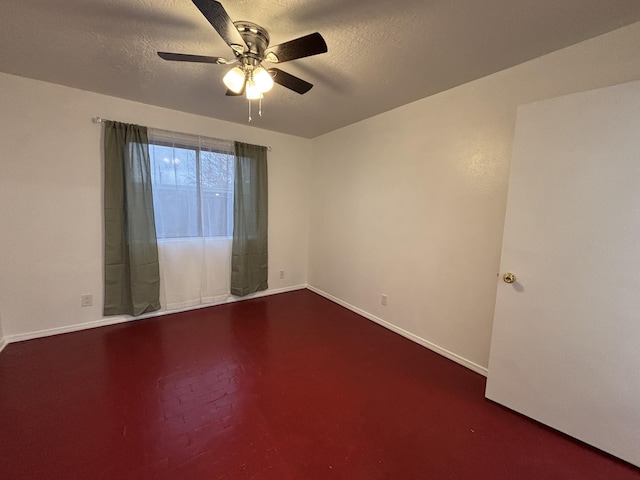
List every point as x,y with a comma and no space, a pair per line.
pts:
286,387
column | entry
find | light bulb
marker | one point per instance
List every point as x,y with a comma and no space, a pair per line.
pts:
234,79
252,90
263,79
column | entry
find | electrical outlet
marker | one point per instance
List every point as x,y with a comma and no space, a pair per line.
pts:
281,273
383,300
86,300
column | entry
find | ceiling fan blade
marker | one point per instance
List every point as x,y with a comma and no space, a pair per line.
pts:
183,57
219,19
290,81
312,44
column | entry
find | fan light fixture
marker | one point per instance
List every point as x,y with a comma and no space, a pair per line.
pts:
234,79
252,91
253,81
263,79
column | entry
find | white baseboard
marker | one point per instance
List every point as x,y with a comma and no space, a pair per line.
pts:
415,338
20,337
3,343
122,319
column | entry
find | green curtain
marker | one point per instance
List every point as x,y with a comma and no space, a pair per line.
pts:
249,258
131,272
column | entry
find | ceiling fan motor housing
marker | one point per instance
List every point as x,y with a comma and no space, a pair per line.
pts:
257,40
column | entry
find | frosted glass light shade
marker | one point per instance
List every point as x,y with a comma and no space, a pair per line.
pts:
263,79
253,90
234,79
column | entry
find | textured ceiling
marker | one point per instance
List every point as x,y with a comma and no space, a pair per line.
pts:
382,54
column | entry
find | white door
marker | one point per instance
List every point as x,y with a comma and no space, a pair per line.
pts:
565,348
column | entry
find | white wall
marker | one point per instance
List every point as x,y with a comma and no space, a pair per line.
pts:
411,203
51,194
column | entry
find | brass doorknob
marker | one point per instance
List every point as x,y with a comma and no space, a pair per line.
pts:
509,277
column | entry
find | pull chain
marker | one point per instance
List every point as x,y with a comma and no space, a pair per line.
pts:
260,107
250,111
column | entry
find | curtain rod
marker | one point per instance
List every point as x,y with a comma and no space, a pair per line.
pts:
98,120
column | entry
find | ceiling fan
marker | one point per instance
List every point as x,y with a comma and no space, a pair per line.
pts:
250,45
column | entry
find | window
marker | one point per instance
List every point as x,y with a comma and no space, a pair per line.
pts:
192,180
